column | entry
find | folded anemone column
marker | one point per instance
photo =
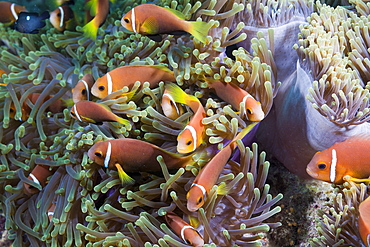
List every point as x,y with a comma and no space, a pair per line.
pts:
326,99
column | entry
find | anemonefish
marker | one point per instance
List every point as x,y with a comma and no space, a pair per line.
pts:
235,95
132,155
9,12
170,108
210,173
364,221
123,76
82,89
58,106
187,233
38,175
152,20
51,211
61,17
350,157
93,112
193,134
99,9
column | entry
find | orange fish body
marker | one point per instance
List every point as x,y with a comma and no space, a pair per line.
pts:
127,76
134,155
82,89
38,175
185,231
170,108
51,211
210,173
151,20
60,17
9,12
193,134
364,221
350,157
235,95
92,112
100,10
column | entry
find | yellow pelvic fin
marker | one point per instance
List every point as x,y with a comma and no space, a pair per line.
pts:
123,121
91,29
149,26
222,189
194,221
68,102
125,179
178,95
199,29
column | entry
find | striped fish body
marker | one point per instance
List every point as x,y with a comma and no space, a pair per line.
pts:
127,75
350,157
38,175
9,12
134,155
82,89
364,221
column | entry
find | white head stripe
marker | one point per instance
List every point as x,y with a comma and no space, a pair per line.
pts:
76,113
173,101
201,187
193,134
87,89
107,155
50,213
12,9
34,179
61,16
245,102
368,239
109,83
333,166
183,232
133,17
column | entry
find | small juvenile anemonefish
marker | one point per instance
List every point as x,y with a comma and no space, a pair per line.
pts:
364,221
127,75
58,106
82,89
185,231
51,211
193,134
152,20
9,12
61,17
132,155
350,157
93,112
170,108
38,175
99,9
210,173
234,95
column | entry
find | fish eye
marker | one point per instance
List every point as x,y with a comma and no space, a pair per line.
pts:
321,166
11,110
126,20
249,111
101,88
73,114
189,142
200,200
59,14
83,92
98,154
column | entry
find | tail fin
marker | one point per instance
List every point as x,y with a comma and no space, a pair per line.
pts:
199,29
178,95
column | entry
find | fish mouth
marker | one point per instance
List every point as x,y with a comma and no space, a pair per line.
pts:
311,173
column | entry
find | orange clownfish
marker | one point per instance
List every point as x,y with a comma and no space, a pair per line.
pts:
170,108
152,20
364,221
133,155
99,9
9,12
38,175
235,95
210,173
127,76
184,230
82,89
58,106
51,211
61,17
92,112
350,157
193,134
